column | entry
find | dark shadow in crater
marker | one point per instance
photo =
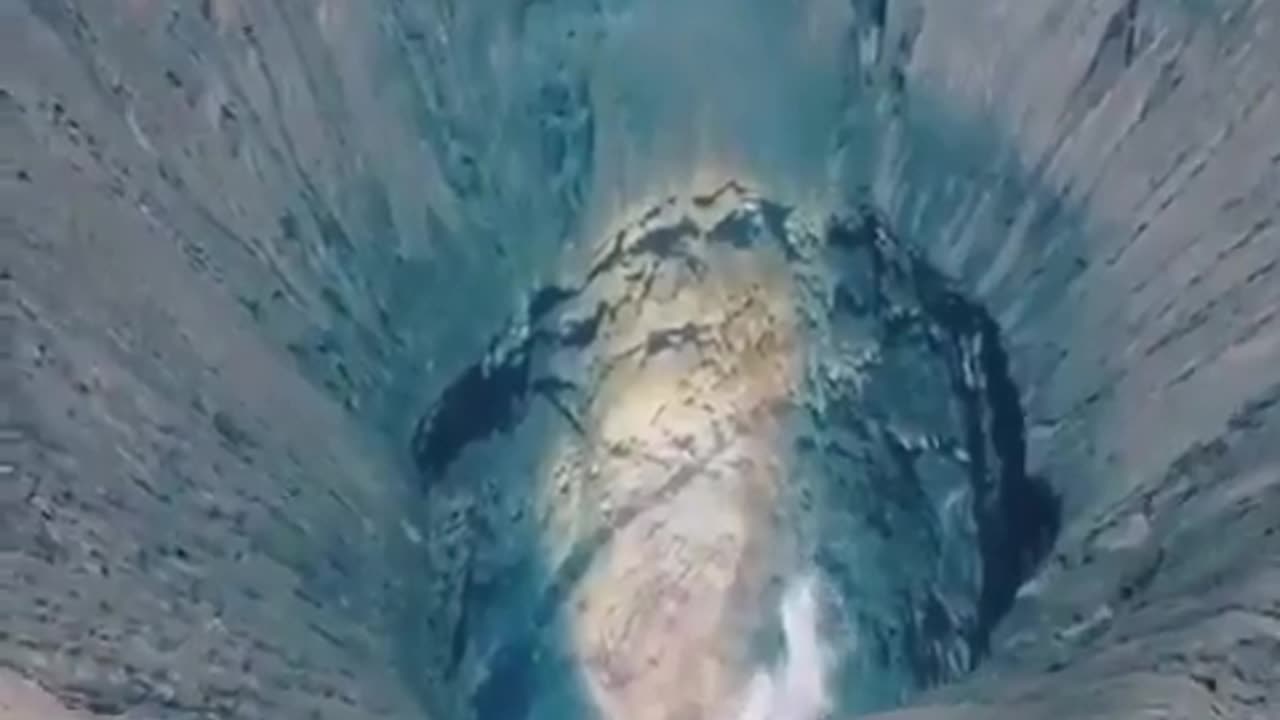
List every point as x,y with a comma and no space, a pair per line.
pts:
505,649
487,399
1018,515
505,652
1027,516
533,672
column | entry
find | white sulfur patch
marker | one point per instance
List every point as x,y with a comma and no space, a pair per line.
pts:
796,689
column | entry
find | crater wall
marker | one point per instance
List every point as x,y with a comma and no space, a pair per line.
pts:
246,244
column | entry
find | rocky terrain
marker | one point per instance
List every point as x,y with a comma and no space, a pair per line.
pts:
431,359
726,399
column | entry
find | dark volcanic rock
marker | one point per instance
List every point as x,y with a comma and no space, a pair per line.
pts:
265,451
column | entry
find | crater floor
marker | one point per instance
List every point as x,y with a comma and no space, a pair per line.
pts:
639,359
726,400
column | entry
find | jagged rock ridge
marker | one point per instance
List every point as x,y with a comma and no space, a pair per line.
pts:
244,245
823,371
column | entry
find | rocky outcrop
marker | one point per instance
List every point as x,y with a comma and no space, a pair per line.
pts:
729,396
244,246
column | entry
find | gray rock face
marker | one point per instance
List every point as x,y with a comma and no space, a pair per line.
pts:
258,259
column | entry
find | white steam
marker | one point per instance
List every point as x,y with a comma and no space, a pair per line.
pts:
795,689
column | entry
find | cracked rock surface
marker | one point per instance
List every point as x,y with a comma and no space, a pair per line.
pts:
730,396
330,389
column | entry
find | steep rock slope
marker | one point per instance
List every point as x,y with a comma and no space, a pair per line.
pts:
1137,184
244,244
